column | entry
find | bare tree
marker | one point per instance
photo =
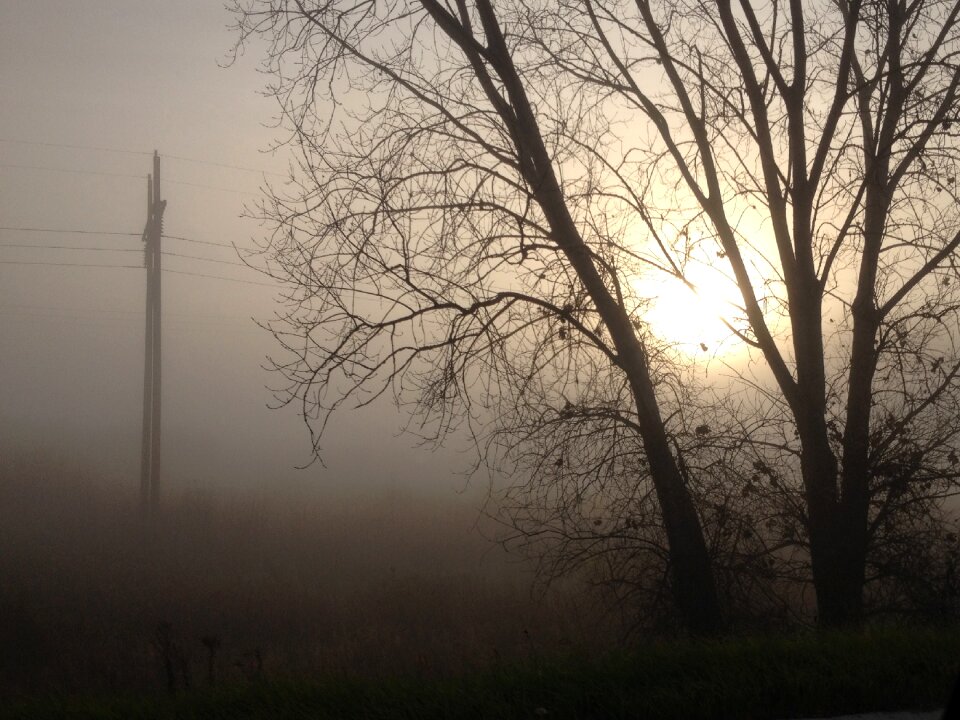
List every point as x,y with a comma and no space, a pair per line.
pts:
481,187
580,502
453,237
837,118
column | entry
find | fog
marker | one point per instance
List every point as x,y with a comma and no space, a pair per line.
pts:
383,536
98,86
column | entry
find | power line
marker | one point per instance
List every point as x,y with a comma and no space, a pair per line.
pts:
212,187
219,277
68,247
193,240
203,259
60,308
4,307
69,231
75,147
122,175
237,324
60,264
73,172
139,267
103,249
223,165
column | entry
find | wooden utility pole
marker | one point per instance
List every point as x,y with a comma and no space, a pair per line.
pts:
150,446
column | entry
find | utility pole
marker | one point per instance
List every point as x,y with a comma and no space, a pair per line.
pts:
150,445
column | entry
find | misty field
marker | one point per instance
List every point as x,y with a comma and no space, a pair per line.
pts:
384,606
278,585
801,676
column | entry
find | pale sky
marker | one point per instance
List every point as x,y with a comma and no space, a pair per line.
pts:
82,80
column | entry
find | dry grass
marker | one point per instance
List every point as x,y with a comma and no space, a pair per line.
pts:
388,584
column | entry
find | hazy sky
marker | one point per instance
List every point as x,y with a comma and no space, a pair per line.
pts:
134,76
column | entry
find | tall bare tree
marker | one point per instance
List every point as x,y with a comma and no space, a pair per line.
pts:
481,186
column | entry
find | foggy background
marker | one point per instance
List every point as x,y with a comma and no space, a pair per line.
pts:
337,564
128,78
378,561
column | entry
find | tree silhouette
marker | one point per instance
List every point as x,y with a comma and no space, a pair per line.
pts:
482,190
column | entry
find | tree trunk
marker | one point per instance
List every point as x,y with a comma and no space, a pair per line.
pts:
839,586
694,583
838,575
837,529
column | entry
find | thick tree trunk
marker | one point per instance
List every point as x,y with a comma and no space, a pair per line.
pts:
842,600
837,530
838,574
694,583
838,580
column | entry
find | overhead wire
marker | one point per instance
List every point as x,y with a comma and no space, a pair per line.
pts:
75,147
18,166
220,277
220,164
103,249
203,259
237,323
209,187
194,240
27,306
79,231
141,267
17,308
62,264
67,247
137,267
71,171
69,231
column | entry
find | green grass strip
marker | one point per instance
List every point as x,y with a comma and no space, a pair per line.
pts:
806,675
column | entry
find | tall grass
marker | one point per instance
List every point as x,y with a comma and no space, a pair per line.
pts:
386,606
813,675
309,585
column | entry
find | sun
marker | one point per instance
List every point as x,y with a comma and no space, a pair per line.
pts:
694,316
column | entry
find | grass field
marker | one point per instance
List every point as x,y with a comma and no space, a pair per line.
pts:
359,586
382,607
809,675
